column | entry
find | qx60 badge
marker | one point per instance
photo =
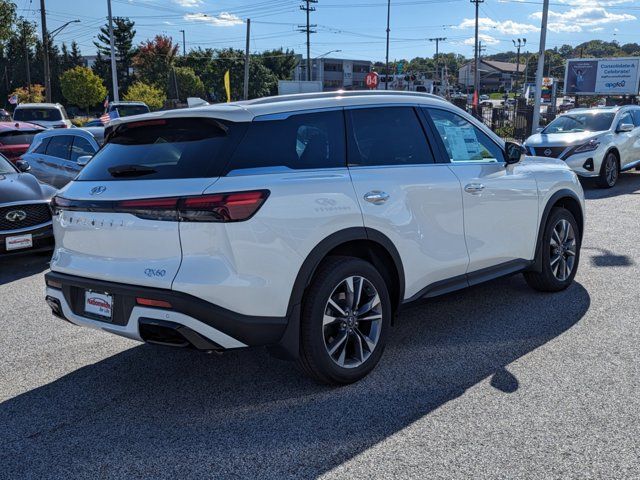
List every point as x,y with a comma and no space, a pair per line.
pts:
16,215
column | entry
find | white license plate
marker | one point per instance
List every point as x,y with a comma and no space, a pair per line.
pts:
19,241
99,304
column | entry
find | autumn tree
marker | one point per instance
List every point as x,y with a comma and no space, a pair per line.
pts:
154,60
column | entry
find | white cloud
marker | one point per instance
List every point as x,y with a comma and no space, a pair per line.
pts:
597,29
575,19
224,19
189,3
508,27
485,39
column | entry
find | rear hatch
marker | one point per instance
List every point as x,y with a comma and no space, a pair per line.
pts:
118,221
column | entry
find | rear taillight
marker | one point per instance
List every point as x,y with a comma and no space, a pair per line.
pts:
219,207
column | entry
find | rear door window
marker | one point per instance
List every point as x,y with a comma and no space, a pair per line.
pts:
387,136
303,141
165,148
81,147
60,146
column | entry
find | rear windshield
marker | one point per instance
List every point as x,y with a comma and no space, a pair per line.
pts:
35,114
165,148
128,110
18,137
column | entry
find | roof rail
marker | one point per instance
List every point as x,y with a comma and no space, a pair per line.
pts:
337,93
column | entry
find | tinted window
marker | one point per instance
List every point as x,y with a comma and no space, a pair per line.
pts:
314,140
128,110
43,146
18,137
159,149
625,118
387,136
463,141
81,147
60,146
636,116
35,114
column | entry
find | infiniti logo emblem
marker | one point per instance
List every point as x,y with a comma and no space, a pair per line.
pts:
16,215
97,190
548,152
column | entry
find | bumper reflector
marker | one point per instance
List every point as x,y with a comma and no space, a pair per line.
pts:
54,284
148,302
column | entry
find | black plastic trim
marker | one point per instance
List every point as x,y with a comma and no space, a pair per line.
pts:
251,330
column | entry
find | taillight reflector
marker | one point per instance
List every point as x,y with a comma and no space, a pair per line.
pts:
149,302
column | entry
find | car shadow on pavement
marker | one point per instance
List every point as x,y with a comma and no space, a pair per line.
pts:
17,267
628,184
163,413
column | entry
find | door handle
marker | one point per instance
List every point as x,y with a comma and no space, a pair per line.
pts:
376,197
474,188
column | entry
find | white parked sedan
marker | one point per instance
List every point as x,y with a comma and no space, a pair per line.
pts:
595,142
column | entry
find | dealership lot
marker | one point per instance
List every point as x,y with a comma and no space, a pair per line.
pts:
496,381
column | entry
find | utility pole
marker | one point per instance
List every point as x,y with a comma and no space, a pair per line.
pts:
27,55
539,72
437,40
246,61
308,30
386,73
45,47
476,77
114,72
521,43
184,44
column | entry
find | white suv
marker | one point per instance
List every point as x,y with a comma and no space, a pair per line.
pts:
48,115
302,223
595,142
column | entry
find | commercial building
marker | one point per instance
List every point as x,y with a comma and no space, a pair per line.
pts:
494,76
335,73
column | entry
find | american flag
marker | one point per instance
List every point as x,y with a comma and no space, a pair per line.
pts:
108,116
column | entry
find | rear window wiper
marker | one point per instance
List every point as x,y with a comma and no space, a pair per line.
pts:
130,170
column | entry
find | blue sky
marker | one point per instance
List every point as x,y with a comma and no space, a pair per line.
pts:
357,27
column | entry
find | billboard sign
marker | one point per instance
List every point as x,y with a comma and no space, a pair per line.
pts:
600,76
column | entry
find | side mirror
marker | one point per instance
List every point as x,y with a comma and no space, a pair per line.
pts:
23,165
625,127
83,160
513,152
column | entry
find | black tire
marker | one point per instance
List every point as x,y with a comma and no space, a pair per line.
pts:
609,171
547,280
315,359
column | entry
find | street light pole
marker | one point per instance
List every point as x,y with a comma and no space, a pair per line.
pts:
114,72
184,44
476,76
386,73
521,43
539,72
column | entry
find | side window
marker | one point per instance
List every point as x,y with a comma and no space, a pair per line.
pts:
81,147
387,136
636,116
464,141
60,146
305,141
626,118
43,146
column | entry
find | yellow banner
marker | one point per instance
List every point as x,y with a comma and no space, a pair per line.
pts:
227,85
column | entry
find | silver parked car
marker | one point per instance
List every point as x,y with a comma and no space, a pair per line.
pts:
57,156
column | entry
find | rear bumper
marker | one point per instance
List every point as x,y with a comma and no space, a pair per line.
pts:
221,328
42,240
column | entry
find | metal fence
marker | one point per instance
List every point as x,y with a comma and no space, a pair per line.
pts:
511,122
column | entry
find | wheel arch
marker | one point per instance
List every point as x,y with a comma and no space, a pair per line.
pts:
366,243
564,198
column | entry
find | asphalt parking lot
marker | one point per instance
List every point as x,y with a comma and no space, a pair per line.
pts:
496,381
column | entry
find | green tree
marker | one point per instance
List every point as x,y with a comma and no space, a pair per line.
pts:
123,35
154,60
143,92
82,87
187,83
7,19
262,81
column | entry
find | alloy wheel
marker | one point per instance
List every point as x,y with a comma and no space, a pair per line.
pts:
563,247
352,322
611,170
